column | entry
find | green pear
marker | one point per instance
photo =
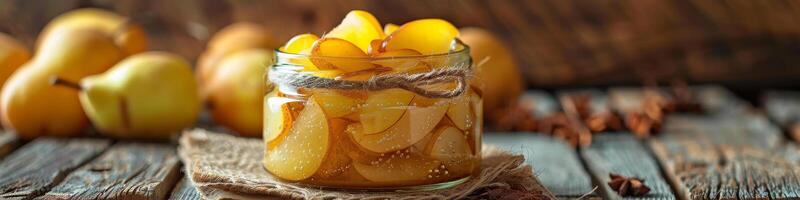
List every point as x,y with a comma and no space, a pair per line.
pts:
150,95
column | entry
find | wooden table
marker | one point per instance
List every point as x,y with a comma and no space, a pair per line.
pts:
730,152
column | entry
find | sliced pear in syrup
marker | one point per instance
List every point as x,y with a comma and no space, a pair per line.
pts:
413,126
477,127
395,60
299,43
300,153
403,169
452,148
278,118
335,53
337,161
427,36
390,28
383,108
335,104
460,111
358,27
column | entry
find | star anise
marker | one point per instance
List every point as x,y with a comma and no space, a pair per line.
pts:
684,100
515,117
604,121
627,186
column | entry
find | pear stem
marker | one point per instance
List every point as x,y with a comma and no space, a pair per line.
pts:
55,80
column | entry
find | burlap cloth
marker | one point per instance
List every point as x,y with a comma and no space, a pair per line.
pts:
227,167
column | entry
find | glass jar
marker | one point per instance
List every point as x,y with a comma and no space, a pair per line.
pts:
356,130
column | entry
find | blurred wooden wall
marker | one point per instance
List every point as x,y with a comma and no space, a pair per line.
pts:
741,43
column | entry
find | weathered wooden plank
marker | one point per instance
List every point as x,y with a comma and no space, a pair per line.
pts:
733,157
184,190
598,101
714,99
622,153
626,100
8,141
555,163
541,103
783,107
38,166
742,129
719,100
125,171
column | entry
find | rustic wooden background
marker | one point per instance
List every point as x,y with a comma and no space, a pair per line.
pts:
738,43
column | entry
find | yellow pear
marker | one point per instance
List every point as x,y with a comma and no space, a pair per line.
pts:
235,37
12,55
33,107
500,76
127,34
150,95
236,91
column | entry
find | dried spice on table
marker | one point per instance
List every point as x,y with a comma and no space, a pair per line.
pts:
514,117
558,125
684,99
649,119
627,186
597,121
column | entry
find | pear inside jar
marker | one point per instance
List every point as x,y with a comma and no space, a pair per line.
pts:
371,139
391,136
361,138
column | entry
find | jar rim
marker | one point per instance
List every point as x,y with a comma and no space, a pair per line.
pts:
463,51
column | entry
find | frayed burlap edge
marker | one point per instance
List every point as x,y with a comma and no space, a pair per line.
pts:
227,167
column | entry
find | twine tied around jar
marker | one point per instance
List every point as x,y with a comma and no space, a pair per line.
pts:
412,82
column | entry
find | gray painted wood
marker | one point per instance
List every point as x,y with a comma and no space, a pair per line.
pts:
598,102
41,164
184,190
740,156
8,141
719,100
541,103
622,153
125,171
555,163
783,107
742,129
716,100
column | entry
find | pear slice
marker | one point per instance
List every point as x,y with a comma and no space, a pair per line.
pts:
328,73
278,119
390,28
413,126
403,169
299,43
477,127
400,64
452,148
300,153
335,53
383,108
460,111
358,27
337,161
427,36
375,47
335,104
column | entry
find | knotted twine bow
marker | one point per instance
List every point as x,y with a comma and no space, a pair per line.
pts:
411,82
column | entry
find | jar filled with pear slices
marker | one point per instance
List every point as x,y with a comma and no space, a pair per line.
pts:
395,111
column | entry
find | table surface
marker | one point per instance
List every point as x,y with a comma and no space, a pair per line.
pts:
733,151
